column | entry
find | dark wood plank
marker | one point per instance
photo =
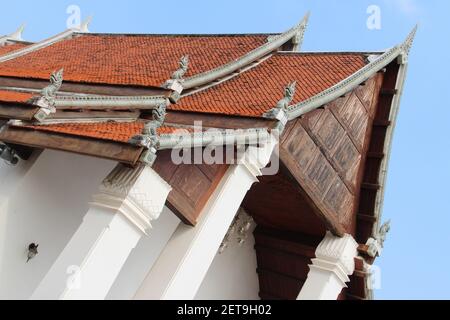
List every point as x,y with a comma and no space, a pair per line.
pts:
17,111
101,89
120,152
217,121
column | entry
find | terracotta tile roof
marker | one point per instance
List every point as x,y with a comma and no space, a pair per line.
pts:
147,60
112,131
258,90
11,47
14,96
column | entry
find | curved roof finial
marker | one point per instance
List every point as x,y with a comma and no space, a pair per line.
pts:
17,35
297,40
84,26
273,44
407,44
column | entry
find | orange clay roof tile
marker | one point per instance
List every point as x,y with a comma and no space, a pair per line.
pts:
11,47
146,60
112,131
258,90
14,96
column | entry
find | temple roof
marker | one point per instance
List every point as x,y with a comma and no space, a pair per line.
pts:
110,95
258,90
7,48
110,131
143,60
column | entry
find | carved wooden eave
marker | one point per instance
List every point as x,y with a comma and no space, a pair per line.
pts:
121,152
274,44
45,43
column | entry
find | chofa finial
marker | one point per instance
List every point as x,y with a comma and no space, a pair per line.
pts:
17,35
84,26
407,45
300,35
184,65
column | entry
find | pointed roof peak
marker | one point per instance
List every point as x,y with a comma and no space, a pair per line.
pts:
84,26
407,44
272,45
17,35
301,27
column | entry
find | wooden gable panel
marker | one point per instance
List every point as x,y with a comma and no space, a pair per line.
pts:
325,151
192,185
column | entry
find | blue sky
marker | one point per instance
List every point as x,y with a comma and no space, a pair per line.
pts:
415,261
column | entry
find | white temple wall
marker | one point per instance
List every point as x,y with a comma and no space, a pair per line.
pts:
232,275
144,256
46,208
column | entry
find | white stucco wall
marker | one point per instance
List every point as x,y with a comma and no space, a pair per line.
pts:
232,275
44,201
143,257
46,209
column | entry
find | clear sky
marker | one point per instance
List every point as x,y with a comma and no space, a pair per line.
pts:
415,262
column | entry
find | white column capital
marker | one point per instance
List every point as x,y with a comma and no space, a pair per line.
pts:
337,255
257,158
330,270
138,193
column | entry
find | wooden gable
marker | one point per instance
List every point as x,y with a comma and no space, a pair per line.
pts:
325,151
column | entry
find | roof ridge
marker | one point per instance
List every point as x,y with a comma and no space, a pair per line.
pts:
230,67
399,51
305,53
42,44
183,34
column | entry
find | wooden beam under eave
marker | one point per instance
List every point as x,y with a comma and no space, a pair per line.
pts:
121,152
218,121
329,218
86,88
17,111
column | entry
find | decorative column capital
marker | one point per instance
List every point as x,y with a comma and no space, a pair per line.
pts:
138,193
337,255
257,158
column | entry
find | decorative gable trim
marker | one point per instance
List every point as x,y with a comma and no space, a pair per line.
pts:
224,70
45,43
400,51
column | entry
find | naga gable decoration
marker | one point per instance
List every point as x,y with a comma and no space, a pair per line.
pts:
47,101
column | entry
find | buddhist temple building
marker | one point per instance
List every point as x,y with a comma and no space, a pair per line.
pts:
171,166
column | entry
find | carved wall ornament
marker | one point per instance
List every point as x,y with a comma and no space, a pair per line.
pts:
238,231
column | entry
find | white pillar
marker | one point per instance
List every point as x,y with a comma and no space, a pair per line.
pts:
182,266
129,199
330,271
